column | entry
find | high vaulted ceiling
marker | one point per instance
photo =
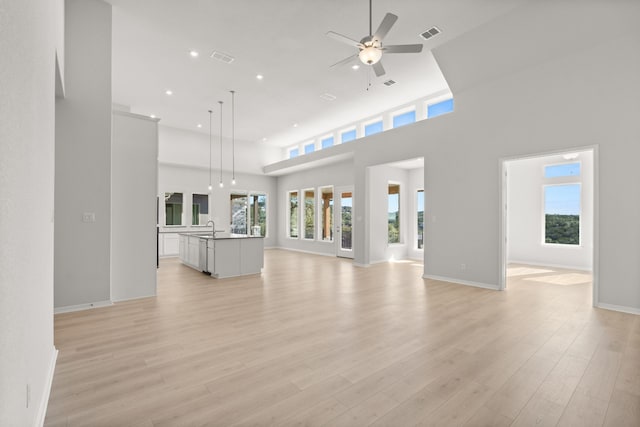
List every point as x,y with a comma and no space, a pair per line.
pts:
286,42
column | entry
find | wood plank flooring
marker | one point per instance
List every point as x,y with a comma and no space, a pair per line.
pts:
316,341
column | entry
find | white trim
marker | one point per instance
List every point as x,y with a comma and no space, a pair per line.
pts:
462,282
303,251
620,308
134,298
357,264
546,264
44,402
80,307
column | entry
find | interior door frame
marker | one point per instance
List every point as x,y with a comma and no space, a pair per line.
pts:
503,201
337,220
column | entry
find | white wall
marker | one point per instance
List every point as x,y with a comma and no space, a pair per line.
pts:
83,151
525,214
189,180
183,147
379,179
338,174
27,74
134,183
416,182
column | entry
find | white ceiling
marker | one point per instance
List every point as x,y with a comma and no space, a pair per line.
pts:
285,41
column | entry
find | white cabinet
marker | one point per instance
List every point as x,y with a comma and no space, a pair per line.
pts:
193,251
169,244
226,257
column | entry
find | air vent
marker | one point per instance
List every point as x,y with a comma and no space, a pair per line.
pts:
328,97
223,57
389,82
433,31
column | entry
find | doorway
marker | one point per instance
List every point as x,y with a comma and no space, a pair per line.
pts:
343,219
548,218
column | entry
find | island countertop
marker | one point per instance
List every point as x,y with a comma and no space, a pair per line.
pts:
210,237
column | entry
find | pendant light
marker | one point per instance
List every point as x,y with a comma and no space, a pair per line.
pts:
233,138
221,184
210,145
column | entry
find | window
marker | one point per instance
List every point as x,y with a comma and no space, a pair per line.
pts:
309,148
173,208
420,218
327,142
309,214
404,119
348,135
199,209
258,214
393,213
293,214
238,214
440,108
294,152
326,213
562,214
372,128
566,169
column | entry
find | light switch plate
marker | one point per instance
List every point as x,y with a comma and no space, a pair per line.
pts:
89,217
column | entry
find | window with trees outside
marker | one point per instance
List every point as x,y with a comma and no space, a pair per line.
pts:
420,218
258,214
309,214
326,213
562,214
562,204
293,214
173,208
199,209
393,213
238,213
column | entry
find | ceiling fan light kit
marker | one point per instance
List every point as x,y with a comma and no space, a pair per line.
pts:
371,48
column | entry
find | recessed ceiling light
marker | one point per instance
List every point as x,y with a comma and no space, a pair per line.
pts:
169,92
328,97
264,139
199,125
295,125
259,77
194,53
355,66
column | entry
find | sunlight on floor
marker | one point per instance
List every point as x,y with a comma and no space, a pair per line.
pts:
565,279
524,271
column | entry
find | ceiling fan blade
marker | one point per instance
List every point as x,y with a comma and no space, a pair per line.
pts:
403,48
344,39
344,61
378,69
385,26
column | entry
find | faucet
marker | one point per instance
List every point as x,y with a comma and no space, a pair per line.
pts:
213,228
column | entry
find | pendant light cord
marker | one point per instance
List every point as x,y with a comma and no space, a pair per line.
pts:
221,184
233,138
210,144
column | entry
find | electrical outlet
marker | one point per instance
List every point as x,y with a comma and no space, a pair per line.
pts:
463,267
28,395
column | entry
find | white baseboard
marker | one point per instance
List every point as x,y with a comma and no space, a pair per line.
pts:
462,282
620,308
80,307
303,251
357,264
135,298
546,264
44,401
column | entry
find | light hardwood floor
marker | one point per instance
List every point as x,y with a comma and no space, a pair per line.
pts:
316,341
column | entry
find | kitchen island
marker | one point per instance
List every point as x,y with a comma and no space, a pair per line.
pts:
227,256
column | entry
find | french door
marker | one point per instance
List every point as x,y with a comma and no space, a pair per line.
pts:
343,219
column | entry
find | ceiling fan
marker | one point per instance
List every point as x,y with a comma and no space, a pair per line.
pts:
371,47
